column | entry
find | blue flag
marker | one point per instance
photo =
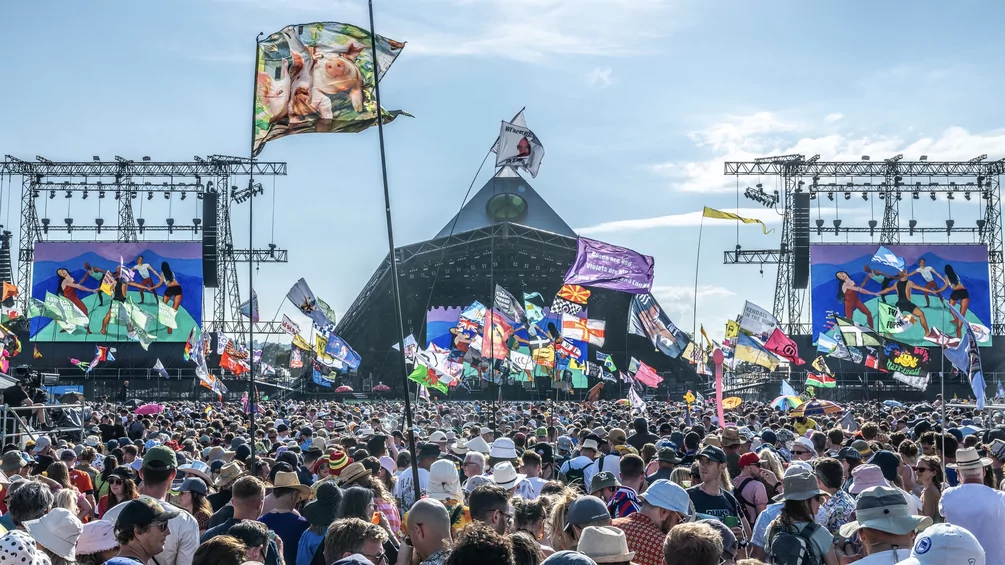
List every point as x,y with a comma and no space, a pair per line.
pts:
967,358
320,380
888,258
339,349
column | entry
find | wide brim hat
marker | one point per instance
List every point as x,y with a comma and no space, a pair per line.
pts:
505,476
352,472
480,445
197,469
228,474
884,509
968,458
289,479
57,531
604,544
460,448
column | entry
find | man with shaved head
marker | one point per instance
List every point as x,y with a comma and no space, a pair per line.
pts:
428,532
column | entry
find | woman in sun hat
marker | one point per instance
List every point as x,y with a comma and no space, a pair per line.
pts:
320,513
56,534
802,498
96,543
357,474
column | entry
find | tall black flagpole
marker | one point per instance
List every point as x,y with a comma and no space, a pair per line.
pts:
251,264
392,258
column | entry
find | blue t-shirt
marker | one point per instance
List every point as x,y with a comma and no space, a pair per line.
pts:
288,527
307,546
123,561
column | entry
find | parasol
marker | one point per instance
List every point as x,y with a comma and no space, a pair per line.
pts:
133,403
72,398
381,388
786,402
344,388
816,408
624,402
892,403
147,409
731,402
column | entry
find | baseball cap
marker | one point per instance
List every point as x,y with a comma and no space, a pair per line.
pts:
545,451
713,453
667,495
41,443
565,443
945,544
729,543
749,459
584,510
160,457
143,511
849,453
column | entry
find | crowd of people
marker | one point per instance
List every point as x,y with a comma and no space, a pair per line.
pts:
515,483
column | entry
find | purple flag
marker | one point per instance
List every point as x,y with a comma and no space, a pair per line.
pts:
602,265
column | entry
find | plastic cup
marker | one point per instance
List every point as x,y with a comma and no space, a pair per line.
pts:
731,521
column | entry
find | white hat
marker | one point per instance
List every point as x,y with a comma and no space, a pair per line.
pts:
806,443
504,475
590,444
57,531
967,458
96,537
480,445
460,448
41,443
438,437
945,544
604,544
20,549
444,482
503,448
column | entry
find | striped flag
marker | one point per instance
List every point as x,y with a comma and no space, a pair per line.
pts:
820,380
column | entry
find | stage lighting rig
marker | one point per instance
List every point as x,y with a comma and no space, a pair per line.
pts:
99,222
52,194
69,224
949,226
45,225
911,224
141,222
837,225
872,227
847,196
196,222
170,223
820,226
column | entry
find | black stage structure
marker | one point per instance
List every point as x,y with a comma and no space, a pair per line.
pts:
506,234
797,188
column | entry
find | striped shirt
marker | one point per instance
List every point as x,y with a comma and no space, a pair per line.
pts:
623,503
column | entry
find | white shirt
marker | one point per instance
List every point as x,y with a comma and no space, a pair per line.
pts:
926,273
886,557
612,464
535,484
982,511
405,492
182,541
143,270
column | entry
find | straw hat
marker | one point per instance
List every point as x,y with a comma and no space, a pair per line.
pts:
352,472
604,544
968,458
288,479
228,474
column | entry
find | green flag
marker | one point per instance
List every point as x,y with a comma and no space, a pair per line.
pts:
421,375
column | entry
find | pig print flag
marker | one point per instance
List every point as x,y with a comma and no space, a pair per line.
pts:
319,78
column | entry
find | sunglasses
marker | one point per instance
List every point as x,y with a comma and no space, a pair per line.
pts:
162,526
922,469
114,481
800,452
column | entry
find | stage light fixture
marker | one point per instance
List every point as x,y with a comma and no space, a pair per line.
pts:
52,194
865,157
146,158
34,194
950,196
966,195
140,222
84,195
899,196
69,194
170,223
847,196
820,226
872,227
898,180
830,196
101,194
196,222
96,158
69,224
183,195
949,226
167,195
923,158
933,195
980,181
916,195
118,194
865,196
911,224
45,225
150,195
99,222
981,222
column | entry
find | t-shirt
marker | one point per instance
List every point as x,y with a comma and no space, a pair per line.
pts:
719,506
288,526
42,463
981,510
273,551
926,273
123,561
143,270
181,542
107,433
82,481
536,483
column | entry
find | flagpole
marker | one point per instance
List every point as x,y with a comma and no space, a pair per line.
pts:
391,255
697,260
251,235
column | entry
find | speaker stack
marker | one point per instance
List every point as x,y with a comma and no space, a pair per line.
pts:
801,240
210,253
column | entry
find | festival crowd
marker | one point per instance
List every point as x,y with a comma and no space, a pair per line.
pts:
516,483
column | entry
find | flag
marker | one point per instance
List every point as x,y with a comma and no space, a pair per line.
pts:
544,356
496,333
166,315
787,390
411,347
318,377
423,393
574,293
609,364
568,349
303,298
647,319
517,146
296,361
508,305
562,306
518,120
36,354
820,364
783,346
337,348
580,329
289,326
190,344
826,344
644,373
108,283
856,335
757,321
636,400
301,343
720,215
732,329
422,375
533,310
159,367
888,258
967,358
125,273
249,308
750,351
603,265
821,380
319,77
889,319
9,291
1001,390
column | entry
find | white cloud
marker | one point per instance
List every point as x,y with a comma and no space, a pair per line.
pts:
743,138
680,299
689,219
600,77
835,117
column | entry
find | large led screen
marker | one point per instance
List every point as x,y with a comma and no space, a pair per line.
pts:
85,294
848,281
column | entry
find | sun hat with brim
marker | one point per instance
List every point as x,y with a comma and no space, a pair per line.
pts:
730,436
97,536
20,548
800,486
57,531
867,476
667,495
945,544
228,474
968,458
320,512
503,448
590,444
12,461
480,445
444,483
883,509
604,544
460,448
505,476
289,479
849,453
196,469
353,472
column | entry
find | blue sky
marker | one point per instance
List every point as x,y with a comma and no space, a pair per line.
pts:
638,103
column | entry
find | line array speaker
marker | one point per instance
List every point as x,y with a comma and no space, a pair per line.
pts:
210,252
801,240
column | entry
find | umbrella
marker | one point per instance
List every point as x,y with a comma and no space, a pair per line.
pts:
923,408
970,430
133,403
786,402
816,408
344,388
731,402
147,409
892,403
624,402
381,388
71,398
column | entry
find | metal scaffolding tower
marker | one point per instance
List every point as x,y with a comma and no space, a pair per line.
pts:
172,178
890,181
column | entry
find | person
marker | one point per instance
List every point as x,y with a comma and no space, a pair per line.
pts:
97,274
192,499
173,293
693,543
405,487
350,536
928,470
283,518
664,505
642,435
750,491
248,497
19,547
667,459
625,500
848,295
145,271
141,529
255,537
530,465
96,543
490,504
119,295
319,513
222,550
730,547
68,289
960,295
121,488
972,505
530,517
480,543
714,496
839,507
884,526
796,524
428,533
929,274
903,288
946,544
359,502
445,486
157,471
56,534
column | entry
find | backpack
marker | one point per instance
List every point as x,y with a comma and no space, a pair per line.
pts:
793,547
738,494
575,476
